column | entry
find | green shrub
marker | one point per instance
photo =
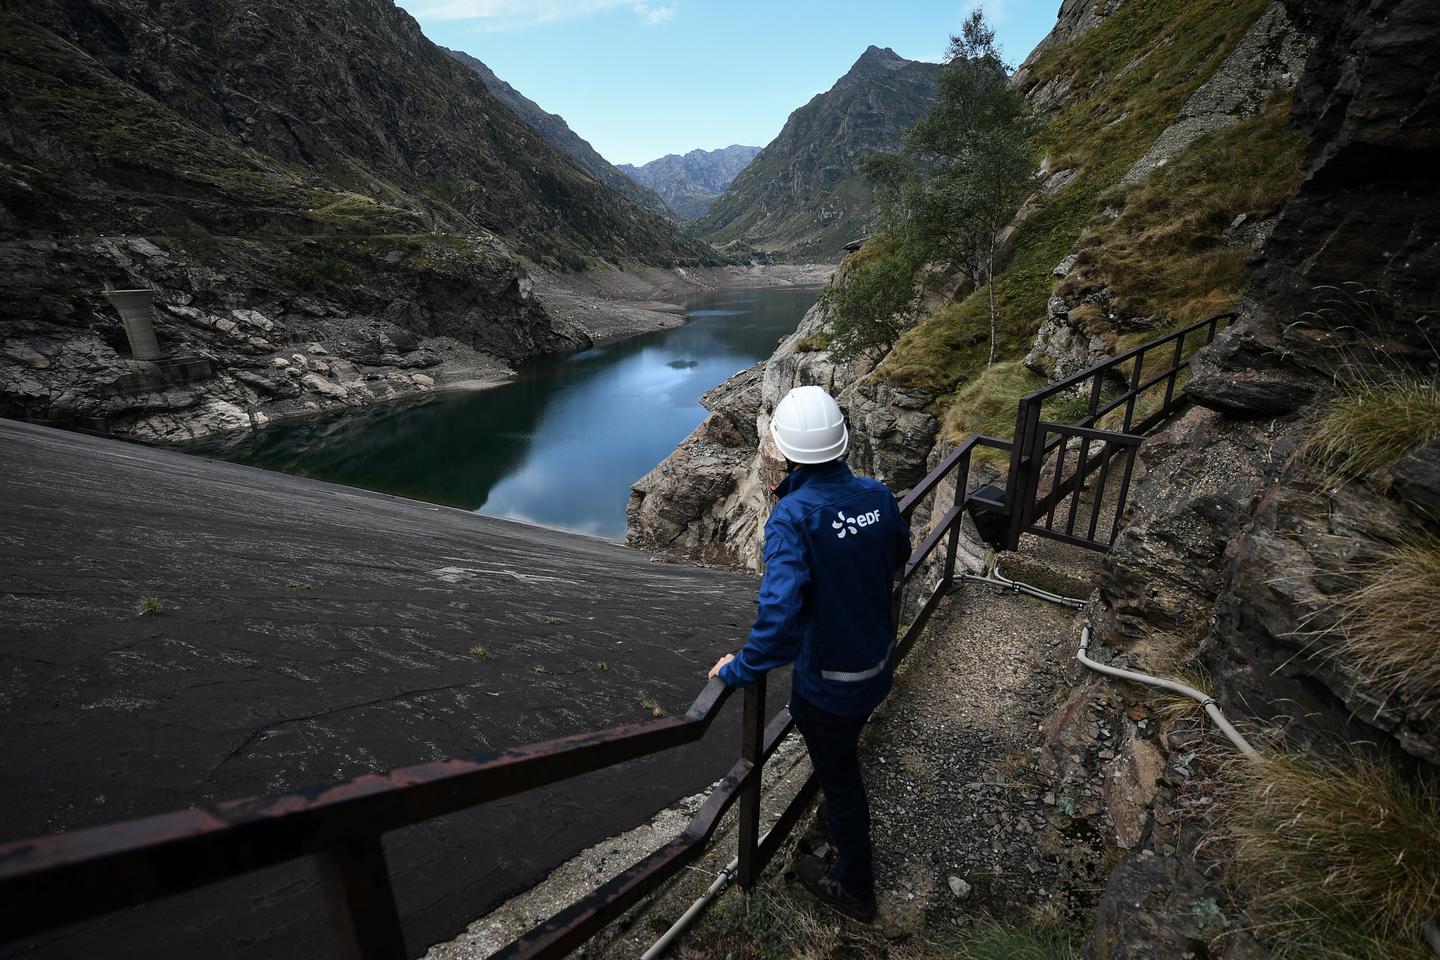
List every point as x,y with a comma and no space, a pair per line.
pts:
871,302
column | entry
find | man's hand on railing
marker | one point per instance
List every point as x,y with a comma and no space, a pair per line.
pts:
715,670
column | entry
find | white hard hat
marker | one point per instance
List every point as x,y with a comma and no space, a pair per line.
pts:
808,426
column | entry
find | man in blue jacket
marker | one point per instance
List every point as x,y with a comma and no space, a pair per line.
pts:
833,545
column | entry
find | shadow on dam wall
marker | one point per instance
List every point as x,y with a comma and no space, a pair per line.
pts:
308,633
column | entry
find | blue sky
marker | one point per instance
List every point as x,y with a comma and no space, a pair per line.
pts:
643,79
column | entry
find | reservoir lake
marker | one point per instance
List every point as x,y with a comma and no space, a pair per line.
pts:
562,443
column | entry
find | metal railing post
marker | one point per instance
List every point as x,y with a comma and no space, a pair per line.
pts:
362,904
1134,390
1024,471
1174,372
952,542
752,749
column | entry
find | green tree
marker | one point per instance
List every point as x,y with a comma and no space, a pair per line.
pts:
869,304
976,160
966,169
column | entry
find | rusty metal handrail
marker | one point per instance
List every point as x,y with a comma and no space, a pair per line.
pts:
50,881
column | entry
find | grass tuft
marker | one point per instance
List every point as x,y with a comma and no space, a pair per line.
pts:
986,405
147,607
814,343
1169,706
786,924
1388,625
1373,424
1035,941
479,651
1343,857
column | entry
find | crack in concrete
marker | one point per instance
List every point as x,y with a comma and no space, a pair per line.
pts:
251,737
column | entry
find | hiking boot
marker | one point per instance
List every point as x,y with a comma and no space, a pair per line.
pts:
820,879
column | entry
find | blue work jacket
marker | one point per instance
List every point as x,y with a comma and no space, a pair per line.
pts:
833,545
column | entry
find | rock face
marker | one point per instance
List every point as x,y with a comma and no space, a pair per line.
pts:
1083,318
1238,547
1268,59
559,135
689,184
1202,478
1235,536
409,310
710,497
1365,218
1076,18
804,197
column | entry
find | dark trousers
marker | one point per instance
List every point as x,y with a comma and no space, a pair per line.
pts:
833,741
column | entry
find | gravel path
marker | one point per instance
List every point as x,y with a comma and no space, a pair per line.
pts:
948,757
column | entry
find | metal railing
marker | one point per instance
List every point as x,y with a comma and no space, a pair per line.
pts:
1113,425
51,881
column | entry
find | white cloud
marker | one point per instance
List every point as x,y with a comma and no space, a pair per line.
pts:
496,15
654,15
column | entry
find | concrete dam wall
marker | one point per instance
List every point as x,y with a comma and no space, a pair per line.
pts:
306,633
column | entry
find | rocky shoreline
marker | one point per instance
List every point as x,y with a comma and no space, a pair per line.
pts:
255,331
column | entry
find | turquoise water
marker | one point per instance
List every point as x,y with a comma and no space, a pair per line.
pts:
560,445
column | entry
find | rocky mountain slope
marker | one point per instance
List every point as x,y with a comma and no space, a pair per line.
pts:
689,184
300,185
804,196
559,135
1274,157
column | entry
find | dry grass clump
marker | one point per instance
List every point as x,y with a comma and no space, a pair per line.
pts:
1390,625
1343,857
814,343
1169,706
1375,423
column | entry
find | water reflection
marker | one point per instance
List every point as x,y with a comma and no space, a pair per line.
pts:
559,446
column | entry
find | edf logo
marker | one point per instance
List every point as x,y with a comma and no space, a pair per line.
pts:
853,525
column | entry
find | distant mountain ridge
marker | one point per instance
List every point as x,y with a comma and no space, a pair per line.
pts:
558,134
689,184
265,118
805,195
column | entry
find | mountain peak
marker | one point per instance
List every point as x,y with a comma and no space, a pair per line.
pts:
805,195
689,183
876,59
